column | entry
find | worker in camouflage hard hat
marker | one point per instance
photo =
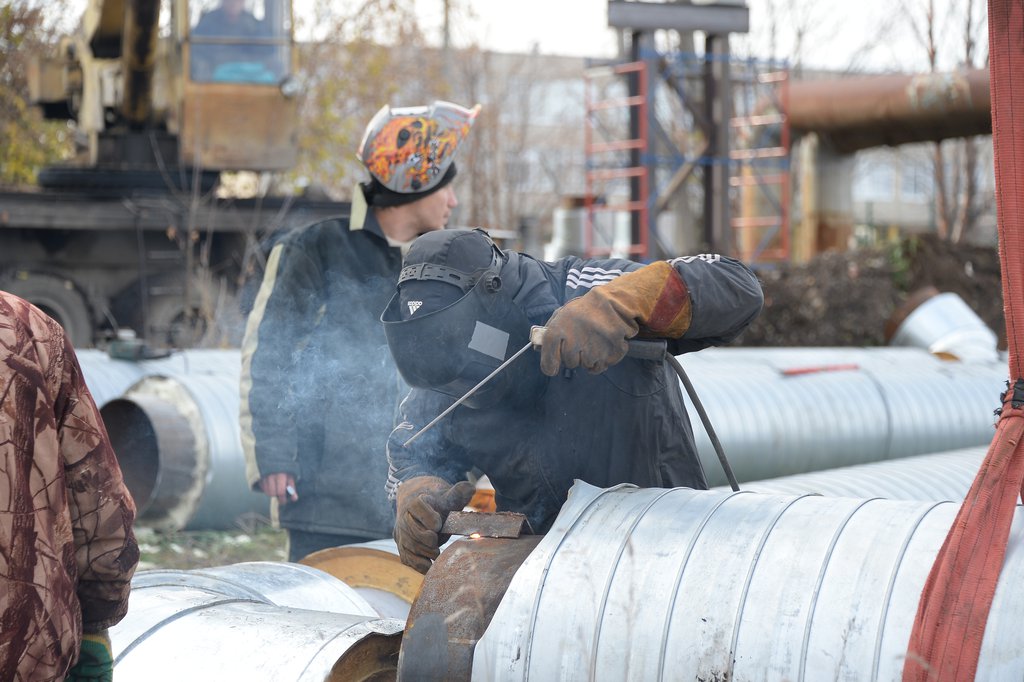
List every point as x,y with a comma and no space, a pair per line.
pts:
319,388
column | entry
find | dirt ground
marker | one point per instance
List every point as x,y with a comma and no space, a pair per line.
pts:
251,541
847,299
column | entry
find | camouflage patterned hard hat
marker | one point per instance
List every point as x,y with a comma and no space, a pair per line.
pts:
409,149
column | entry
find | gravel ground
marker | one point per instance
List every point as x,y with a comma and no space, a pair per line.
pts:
203,549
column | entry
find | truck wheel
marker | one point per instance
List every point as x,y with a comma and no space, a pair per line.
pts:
57,297
170,321
174,325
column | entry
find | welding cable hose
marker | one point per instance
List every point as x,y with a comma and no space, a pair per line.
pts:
657,350
704,419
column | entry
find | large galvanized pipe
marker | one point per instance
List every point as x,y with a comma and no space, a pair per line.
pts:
222,626
777,415
870,111
278,583
179,447
796,358
227,361
648,584
932,477
108,378
800,409
944,325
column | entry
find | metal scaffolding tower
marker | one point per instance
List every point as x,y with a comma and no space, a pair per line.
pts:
662,140
616,180
760,164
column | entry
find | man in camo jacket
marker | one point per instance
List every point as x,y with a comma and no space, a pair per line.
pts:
67,550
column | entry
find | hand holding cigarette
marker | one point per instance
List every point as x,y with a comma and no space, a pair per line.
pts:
280,486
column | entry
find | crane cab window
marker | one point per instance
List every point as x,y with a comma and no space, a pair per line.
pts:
239,41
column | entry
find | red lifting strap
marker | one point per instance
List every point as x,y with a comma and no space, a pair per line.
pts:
946,638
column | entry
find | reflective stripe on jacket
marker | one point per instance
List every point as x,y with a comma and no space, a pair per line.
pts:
319,388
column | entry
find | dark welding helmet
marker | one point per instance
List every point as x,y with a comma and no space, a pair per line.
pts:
451,322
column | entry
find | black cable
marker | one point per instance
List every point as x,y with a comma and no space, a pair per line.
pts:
692,392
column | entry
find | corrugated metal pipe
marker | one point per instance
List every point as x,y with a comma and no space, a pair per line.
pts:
789,411
279,583
108,378
256,621
649,584
944,325
932,477
178,443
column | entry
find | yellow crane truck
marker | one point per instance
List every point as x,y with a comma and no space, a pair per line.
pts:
133,234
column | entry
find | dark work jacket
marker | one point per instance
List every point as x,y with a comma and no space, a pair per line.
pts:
319,388
627,425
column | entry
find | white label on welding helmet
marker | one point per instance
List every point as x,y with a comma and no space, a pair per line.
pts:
489,341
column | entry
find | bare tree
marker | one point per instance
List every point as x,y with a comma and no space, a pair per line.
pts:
360,58
968,205
958,201
799,32
522,156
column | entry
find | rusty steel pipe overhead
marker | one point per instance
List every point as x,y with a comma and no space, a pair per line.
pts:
891,109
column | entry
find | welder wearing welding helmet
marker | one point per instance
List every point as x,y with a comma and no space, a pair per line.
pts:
453,321
463,306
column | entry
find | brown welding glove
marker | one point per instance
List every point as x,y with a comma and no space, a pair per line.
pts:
592,331
423,504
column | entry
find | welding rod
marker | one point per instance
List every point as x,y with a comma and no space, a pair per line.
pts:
469,393
643,350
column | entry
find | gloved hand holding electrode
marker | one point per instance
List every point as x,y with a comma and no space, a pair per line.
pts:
593,331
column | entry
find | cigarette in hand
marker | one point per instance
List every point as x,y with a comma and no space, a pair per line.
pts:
290,490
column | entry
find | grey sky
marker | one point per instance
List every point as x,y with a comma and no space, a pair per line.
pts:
838,34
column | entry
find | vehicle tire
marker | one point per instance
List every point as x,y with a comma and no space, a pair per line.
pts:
206,321
59,298
172,324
